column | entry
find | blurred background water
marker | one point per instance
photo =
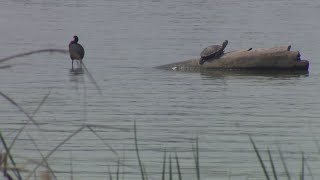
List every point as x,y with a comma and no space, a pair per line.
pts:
124,40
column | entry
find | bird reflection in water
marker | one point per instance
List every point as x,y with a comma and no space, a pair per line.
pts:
76,71
76,78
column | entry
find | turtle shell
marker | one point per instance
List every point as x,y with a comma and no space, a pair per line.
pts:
210,51
213,50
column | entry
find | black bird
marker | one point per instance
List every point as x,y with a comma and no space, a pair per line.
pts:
76,50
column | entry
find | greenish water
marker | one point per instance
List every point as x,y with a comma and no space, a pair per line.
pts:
123,41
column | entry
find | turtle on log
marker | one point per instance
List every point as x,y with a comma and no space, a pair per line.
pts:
212,52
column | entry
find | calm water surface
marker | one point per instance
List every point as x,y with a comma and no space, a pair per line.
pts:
123,41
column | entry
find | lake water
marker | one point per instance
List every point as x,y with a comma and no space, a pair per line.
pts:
124,40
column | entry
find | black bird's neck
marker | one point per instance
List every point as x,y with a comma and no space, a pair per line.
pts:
75,40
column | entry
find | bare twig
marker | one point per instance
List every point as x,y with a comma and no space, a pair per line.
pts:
19,107
45,161
10,156
98,136
63,51
53,150
25,125
108,127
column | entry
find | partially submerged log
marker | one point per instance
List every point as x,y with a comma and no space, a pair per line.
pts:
277,58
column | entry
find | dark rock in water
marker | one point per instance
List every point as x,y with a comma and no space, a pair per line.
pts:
277,58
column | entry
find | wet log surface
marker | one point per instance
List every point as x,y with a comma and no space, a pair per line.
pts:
276,58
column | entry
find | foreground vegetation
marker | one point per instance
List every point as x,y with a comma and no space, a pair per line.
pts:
10,170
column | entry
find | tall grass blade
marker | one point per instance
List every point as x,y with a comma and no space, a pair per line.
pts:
123,166
54,150
137,151
164,165
309,169
110,175
109,127
1,158
99,137
272,166
284,164
302,168
25,125
178,167
63,51
45,161
170,168
5,161
195,151
10,156
198,158
145,172
19,107
260,159
71,166
5,169
118,169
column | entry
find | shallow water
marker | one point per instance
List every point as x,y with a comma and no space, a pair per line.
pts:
123,41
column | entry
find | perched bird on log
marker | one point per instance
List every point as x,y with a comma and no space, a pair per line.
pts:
289,47
76,50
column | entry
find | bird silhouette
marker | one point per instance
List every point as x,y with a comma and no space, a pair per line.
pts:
76,50
289,47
